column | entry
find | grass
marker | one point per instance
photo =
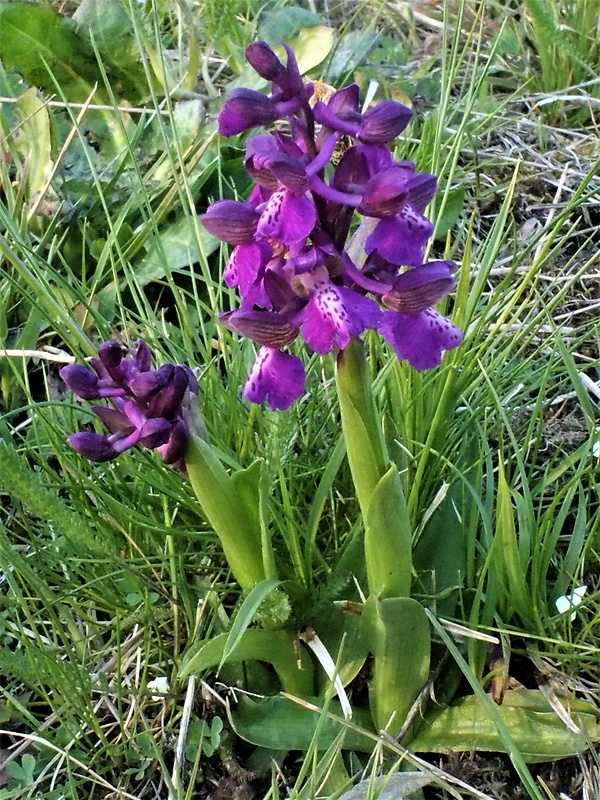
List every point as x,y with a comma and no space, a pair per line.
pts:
110,575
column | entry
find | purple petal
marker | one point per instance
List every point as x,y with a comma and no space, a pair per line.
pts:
144,384
231,221
420,338
245,109
246,268
422,191
385,193
384,122
81,381
93,446
333,314
143,356
174,450
266,328
155,432
110,354
264,61
167,401
277,377
400,239
290,174
114,420
421,287
345,102
287,217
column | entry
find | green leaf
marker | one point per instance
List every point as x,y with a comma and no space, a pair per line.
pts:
283,24
396,631
536,729
281,724
440,556
452,205
246,615
33,140
42,44
505,558
278,648
177,248
231,505
397,786
106,24
351,51
388,538
311,46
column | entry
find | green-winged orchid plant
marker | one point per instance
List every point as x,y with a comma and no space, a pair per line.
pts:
300,276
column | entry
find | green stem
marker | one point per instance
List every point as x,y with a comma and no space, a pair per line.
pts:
365,446
388,536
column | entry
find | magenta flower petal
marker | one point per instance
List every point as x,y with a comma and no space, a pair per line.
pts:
246,269
287,218
334,314
401,239
421,338
276,377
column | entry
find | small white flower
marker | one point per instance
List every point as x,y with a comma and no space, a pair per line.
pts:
566,603
161,685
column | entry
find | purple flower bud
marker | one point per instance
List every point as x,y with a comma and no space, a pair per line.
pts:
245,109
264,61
383,122
231,221
263,327
145,384
110,354
81,381
93,446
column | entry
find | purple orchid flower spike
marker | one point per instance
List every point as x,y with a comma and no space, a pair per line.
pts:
290,261
150,407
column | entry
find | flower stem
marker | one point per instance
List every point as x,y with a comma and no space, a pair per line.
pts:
388,538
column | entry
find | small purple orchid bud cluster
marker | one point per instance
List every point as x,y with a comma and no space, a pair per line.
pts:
150,406
290,263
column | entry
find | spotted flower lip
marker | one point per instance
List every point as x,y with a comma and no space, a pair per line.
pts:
291,264
150,407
